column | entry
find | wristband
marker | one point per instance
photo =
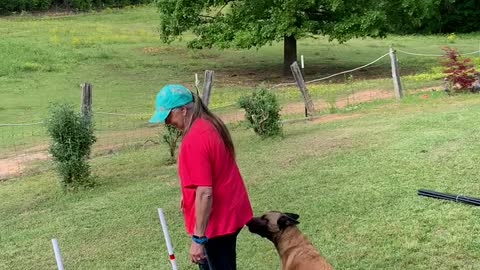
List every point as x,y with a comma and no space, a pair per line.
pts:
199,239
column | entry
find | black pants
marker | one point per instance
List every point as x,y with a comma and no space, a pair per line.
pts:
221,253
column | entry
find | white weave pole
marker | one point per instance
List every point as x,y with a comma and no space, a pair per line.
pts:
167,239
58,258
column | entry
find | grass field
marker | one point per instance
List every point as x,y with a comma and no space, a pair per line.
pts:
45,59
353,181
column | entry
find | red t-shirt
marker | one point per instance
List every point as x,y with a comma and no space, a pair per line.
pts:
204,160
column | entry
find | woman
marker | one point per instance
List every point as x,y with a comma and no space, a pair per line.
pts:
215,203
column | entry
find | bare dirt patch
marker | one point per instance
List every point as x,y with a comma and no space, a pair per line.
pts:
364,96
13,166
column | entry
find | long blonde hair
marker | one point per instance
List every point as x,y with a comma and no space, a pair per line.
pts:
199,110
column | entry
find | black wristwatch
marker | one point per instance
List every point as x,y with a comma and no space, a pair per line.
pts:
199,239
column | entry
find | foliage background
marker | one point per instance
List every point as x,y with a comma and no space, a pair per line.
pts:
7,6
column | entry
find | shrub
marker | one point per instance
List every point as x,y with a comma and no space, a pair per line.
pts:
82,5
262,111
71,140
452,38
171,136
460,74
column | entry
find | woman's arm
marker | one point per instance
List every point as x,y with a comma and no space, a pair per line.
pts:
203,206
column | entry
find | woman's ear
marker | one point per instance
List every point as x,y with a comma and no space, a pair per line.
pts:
184,111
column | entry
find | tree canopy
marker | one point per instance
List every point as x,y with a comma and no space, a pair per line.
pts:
254,23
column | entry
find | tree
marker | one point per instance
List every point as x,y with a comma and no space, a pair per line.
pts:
254,23
459,16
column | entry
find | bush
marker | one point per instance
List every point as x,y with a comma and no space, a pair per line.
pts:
262,111
171,136
71,141
7,6
460,74
82,5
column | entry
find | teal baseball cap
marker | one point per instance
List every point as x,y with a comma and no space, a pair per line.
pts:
171,96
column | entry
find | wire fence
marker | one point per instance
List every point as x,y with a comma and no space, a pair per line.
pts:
333,75
435,55
26,143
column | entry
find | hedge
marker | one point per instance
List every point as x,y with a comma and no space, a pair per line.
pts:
9,6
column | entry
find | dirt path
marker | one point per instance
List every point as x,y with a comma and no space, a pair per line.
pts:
14,165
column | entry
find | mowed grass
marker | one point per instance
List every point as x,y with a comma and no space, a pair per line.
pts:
352,181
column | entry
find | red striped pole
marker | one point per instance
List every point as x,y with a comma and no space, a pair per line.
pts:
171,256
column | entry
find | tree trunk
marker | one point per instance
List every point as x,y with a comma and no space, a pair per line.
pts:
289,53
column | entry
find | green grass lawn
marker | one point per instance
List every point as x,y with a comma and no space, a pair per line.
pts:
352,181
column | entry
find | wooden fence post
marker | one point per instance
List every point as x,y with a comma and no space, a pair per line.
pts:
297,74
397,85
207,87
86,106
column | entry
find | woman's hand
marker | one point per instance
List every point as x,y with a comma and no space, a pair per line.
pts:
197,253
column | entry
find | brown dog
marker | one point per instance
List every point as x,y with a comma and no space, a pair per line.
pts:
296,252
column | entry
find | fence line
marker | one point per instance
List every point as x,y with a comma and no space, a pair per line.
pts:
272,87
123,114
14,125
105,113
471,53
132,132
419,54
333,75
348,71
432,55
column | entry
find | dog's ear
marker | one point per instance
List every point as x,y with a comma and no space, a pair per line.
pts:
285,221
292,215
